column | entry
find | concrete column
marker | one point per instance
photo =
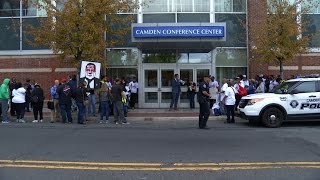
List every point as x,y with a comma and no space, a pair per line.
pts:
212,12
140,80
213,62
140,13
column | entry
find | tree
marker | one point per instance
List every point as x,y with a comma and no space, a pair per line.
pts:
277,37
78,28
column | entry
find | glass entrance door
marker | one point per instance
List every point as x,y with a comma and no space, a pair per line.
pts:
157,87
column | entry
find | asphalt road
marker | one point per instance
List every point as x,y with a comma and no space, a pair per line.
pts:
147,150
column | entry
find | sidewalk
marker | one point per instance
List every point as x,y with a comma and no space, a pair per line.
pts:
137,115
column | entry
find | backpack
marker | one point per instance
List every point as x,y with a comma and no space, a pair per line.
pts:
242,91
35,99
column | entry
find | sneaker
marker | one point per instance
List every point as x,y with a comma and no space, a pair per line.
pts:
17,120
107,121
117,123
22,121
100,122
35,121
125,123
41,120
5,122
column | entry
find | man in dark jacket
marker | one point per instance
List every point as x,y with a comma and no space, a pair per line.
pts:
65,93
28,94
117,94
176,91
37,98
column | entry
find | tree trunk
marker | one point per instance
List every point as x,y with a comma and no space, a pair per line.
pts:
281,69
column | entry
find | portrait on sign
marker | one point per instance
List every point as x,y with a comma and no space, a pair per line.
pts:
90,73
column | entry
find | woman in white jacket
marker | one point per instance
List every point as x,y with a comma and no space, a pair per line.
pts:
19,101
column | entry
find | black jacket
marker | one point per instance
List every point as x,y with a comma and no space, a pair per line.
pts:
65,94
80,95
38,91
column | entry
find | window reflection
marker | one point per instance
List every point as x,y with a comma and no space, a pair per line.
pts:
201,73
177,6
162,57
195,57
123,57
230,5
186,75
9,8
229,72
127,73
151,78
166,78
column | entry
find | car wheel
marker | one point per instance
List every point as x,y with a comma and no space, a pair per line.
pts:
272,117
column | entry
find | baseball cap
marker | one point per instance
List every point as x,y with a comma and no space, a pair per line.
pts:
244,75
64,80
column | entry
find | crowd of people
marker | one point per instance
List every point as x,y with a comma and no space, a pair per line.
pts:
68,95
223,100
20,98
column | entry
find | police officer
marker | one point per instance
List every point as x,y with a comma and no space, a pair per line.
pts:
203,99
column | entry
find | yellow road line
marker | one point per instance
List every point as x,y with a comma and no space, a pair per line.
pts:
246,164
81,163
112,166
154,168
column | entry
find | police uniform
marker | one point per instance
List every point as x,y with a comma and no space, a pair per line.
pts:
204,105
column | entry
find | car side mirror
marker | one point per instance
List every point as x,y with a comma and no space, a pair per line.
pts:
294,91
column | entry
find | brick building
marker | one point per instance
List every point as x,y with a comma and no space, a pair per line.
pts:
188,37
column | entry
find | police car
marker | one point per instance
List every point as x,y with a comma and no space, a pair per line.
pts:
295,99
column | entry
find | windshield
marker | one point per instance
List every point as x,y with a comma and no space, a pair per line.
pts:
284,87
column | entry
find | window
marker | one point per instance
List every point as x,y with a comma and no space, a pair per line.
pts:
231,57
9,8
193,5
230,5
161,57
159,6
193,17
177,6
236,32
122,57
60,4
306,87
194,58
284,87
30,8
185,6
229,72
312,29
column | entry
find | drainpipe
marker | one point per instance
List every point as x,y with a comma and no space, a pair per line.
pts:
21,25
248,43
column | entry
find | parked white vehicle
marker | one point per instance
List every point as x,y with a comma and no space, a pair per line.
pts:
295,99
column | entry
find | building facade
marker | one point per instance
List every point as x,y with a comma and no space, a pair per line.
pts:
186,37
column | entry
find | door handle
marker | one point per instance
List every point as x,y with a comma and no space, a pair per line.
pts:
312,96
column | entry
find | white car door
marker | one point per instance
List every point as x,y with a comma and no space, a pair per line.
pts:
304,99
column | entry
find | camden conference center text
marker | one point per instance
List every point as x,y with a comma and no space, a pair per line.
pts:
179,32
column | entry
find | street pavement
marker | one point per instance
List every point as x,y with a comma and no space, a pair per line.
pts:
149,149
